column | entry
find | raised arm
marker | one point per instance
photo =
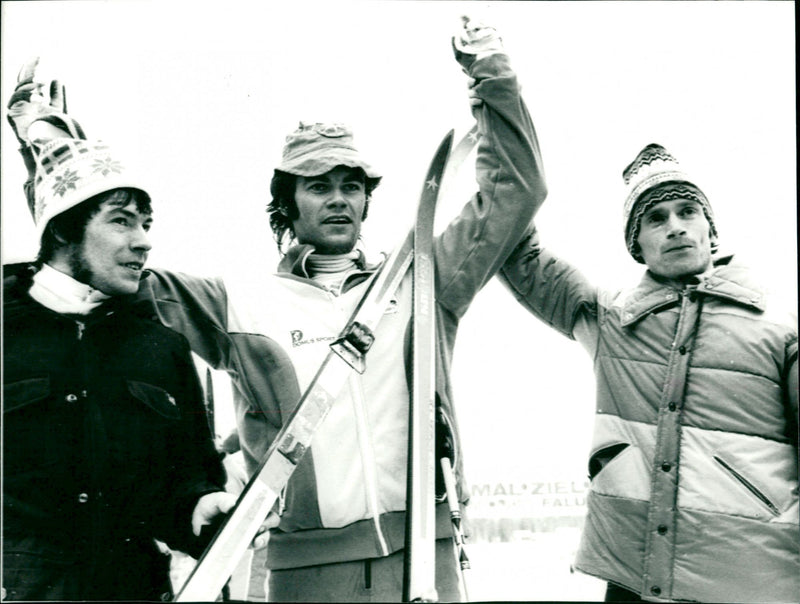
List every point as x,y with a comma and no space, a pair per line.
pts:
509,170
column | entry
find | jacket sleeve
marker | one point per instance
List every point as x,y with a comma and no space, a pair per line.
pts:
195,466
511,188
193,306
551,289
791,389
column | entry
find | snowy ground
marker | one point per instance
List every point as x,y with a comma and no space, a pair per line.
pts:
536,568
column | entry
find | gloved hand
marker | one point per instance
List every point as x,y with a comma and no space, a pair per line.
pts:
28,105
475,40
211,509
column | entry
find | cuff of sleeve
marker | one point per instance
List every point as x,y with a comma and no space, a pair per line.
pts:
490,66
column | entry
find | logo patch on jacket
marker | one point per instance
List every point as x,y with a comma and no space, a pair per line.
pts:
298,340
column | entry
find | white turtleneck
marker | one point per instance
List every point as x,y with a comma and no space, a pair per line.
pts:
63,294
330,270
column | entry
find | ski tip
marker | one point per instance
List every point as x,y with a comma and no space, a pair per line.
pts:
444,148
448,138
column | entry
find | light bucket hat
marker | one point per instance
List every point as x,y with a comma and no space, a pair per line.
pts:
315,149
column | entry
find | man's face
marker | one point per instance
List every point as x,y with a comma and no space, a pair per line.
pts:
674,239
114,249
330,209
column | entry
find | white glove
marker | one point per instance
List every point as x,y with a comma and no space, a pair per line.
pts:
211,505
32,116
476,38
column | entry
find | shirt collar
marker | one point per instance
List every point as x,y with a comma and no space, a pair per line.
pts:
63,294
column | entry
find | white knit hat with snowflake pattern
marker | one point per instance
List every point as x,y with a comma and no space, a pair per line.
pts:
70,171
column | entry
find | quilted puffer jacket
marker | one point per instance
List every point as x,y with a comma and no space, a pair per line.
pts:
694,479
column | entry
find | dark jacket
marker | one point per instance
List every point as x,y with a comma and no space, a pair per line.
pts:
105,448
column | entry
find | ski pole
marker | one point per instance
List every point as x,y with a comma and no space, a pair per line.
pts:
455,522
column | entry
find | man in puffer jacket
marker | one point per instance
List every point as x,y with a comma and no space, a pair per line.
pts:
694,481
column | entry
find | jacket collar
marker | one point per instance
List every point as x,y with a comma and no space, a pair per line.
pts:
727,281
294,262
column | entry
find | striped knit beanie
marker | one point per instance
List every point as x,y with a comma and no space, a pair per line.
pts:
655,176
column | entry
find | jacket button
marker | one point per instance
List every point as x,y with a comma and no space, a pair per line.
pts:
662,529
682,349
83,498
71,398
166,596
655,590
672,406
666,466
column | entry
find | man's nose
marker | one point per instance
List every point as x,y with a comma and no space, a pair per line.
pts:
140,240
337,197
675,226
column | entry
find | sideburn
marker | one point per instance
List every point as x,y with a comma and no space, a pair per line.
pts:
78,267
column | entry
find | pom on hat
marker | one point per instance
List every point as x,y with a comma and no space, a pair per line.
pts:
70,171
652,177
315,149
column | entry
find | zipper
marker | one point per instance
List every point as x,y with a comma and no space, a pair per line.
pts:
749,486
367,459
81,329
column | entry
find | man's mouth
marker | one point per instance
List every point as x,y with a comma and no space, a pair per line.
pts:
340,219
677,248
134,266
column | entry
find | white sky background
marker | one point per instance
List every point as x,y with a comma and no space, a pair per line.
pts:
203,94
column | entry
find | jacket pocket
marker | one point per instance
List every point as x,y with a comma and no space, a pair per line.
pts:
600,459
22,393
157,399
749,486
36,428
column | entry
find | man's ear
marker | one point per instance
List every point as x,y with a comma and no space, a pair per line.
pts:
712,238
56,233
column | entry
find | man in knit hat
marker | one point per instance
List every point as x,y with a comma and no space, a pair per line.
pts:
342,515
693,467
105,443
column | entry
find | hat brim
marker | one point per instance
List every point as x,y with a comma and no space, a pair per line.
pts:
316,164
75,198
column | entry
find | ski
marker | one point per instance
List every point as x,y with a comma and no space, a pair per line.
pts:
347,353
419,576
419,583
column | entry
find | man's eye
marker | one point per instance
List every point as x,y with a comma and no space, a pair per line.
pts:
654,219
353,187
120,220
689,211
318,187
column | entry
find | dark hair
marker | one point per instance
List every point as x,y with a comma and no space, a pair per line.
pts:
69,227
283,211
